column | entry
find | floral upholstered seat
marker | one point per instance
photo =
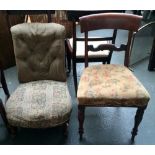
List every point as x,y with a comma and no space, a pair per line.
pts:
39,104
111,85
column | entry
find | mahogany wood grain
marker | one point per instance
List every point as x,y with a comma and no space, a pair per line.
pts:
110,21
115,21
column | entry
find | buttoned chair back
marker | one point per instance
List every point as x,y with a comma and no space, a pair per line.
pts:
39,51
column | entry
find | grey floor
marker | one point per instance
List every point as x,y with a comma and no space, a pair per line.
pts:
103,126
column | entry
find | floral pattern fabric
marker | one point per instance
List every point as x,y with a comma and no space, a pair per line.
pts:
111,85
39,104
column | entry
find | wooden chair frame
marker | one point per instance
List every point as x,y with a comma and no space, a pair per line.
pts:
110,21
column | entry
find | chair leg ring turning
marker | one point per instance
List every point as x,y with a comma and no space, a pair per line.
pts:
65,128
81,110
138,119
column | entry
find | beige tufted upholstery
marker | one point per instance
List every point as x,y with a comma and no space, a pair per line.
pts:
42,100
39,51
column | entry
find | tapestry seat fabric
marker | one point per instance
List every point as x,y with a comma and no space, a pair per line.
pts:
39,104
111,85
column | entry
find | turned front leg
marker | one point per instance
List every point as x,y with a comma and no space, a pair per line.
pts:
138,119
65,128
81,110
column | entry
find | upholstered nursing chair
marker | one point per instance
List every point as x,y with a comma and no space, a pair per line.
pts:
42,99
110,85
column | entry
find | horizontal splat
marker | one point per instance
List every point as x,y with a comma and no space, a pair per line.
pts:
102,47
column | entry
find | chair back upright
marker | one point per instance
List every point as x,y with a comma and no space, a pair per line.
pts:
39,51
116,21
